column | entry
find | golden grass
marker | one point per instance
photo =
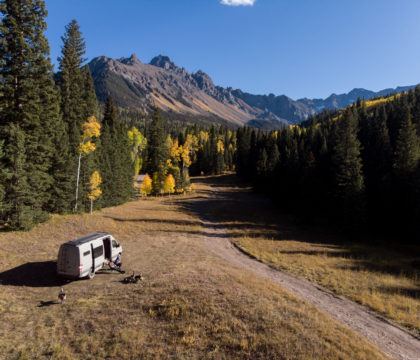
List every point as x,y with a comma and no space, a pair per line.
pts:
192,305
385,281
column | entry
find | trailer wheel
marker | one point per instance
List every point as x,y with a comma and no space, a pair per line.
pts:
91,274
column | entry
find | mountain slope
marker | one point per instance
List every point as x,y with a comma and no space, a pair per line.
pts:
138,86
161,83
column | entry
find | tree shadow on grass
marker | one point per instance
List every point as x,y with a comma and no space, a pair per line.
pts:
403,291
175,222
33,274
234,203
221,181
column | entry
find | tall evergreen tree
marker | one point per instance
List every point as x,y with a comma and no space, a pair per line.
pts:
115,158
90,102
28,111
157,153
377,155
406,187
72,82
348,176
406,155
78,103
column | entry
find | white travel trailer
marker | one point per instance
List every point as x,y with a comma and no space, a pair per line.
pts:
83,257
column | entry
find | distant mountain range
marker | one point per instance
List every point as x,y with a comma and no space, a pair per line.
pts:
138,86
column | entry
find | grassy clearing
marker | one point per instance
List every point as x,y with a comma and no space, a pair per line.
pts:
386,280
191,304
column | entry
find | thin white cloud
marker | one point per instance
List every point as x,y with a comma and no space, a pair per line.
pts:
238,2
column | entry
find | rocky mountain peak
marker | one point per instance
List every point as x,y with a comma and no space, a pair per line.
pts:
163,62
132,60
204,81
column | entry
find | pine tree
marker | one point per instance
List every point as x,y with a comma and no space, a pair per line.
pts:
115,158
3,178
78,103
273,156
348,176
62,189
377,156
123,163
89,100
406,155
157,151
28,111
243,140
262,163
72,82
406,182
18,189
156,183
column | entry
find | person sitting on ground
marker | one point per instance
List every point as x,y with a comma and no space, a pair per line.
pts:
118,261
116,264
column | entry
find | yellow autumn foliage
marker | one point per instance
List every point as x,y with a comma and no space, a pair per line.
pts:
203,137
381,101
95,182
220,146
174,149
138,143
169,184
90,129
87,147
146,186
192,142
185,156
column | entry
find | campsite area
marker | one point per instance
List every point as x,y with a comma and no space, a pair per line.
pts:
200,297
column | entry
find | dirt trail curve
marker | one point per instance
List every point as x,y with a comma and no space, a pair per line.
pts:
391,339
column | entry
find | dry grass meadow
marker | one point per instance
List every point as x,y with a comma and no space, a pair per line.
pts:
191,305
385,280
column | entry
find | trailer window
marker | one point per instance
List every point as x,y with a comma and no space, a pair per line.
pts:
97,252
86,253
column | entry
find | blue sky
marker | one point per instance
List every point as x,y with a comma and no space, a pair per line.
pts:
301,48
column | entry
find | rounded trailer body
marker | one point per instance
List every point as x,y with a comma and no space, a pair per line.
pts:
84,256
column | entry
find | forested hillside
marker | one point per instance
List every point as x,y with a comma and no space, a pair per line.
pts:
57,150
60,151
357,168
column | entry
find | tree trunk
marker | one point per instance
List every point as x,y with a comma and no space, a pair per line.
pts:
77,182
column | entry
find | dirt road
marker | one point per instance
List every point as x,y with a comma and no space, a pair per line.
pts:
393,340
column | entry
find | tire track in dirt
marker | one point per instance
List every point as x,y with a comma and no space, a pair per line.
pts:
391,339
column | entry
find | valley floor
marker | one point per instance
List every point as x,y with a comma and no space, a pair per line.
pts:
201,297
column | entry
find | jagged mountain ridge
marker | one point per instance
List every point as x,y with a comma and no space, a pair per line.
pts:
139,86
161,83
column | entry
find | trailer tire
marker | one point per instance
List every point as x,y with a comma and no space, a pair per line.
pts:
91,274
